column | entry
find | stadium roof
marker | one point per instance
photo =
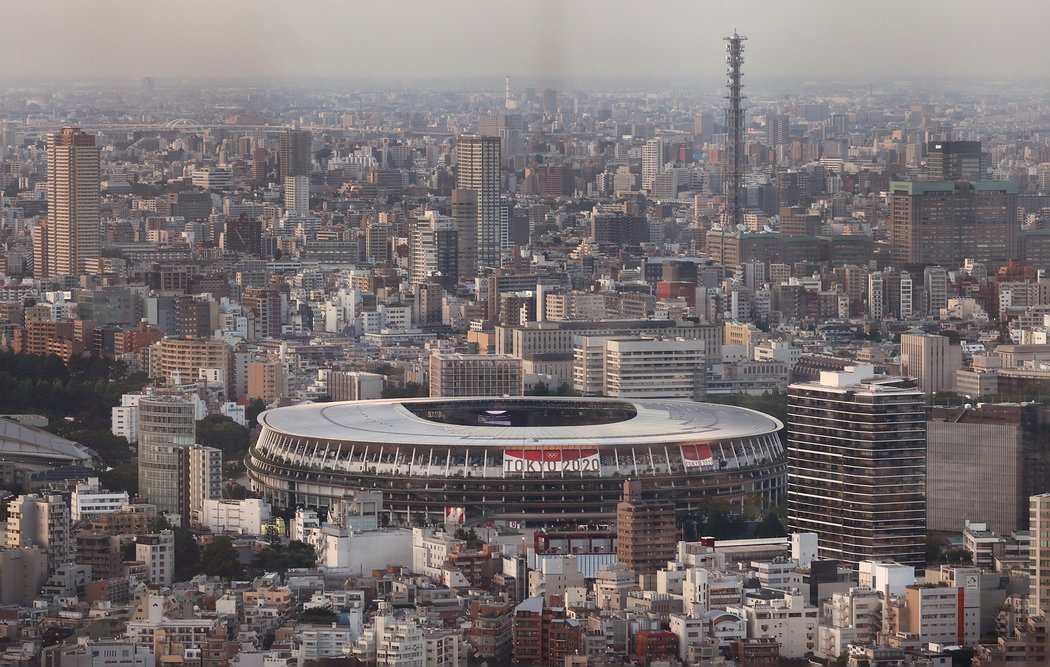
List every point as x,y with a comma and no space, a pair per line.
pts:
388,421
27,444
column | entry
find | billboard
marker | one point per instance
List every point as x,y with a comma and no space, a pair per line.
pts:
519,461
455,515
697,456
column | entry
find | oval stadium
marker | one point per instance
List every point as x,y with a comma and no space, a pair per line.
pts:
529,459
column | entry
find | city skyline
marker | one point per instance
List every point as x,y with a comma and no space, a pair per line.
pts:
550,39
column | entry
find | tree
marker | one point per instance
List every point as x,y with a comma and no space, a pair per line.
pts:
187,554
125,477
272,535
220,559
770,526
253,410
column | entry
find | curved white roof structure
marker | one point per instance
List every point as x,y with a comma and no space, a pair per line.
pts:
397,422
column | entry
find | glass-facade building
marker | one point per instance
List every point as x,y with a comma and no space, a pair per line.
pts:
166,426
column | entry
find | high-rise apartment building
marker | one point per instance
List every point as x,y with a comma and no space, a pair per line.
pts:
433,250
954,161
166,425
465,215
646,536
857,465
68,245
40,521
778,129
1039,526
652,162
947,222
293,154
478,169
205,479
297,196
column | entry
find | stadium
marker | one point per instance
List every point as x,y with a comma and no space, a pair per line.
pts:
535,460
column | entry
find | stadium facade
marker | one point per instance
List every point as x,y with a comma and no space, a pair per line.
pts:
532,459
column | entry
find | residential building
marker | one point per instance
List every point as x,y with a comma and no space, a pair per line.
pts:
857,465
478,169
646,536
167,424
34,520
68,244
205,479
157,551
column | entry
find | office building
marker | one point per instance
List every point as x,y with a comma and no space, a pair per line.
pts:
293,154
946,222
205,479
68,245
631,367
932,360
652,162
478,169
475,375
954,161
857,464
267,380
166,425
40,521
983,463
646,537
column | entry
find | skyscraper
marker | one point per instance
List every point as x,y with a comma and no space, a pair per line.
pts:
733,180
857,464
652,162
293,154
953,160
946,222
70,243
167,424
478,169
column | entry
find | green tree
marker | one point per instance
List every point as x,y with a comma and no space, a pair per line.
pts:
187,555
124,477
253,410
220,559
770,526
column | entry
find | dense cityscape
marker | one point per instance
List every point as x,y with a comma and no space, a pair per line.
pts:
509,372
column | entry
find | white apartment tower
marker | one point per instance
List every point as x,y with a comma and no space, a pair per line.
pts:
652,162
297,196
205,479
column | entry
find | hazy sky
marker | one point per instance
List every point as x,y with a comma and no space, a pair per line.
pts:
887,39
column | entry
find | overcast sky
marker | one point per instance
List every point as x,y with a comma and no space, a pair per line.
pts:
887,39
